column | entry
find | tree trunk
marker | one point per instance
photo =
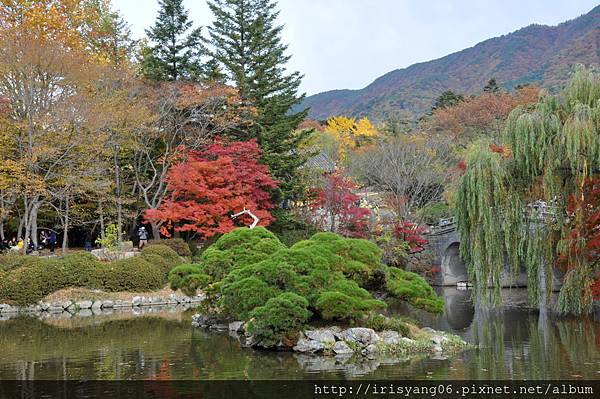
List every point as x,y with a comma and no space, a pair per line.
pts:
65,243
332,222
31,211
155,231
2,216
26,223
119,204
101,219
34,229
21,226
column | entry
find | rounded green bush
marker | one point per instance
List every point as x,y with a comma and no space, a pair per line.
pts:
176,244
239,298
336,305
133,274
161,256
249,268
240,247
37,277
281,316
189,278
414,289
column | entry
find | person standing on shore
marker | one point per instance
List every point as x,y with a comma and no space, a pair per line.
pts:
143,236
51,241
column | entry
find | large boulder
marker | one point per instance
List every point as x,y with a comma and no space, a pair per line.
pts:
391,338
342,348
84,304
236,326
324,336
105,255
360,335
305,345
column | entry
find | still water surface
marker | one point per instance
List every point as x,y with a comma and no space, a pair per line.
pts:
512,343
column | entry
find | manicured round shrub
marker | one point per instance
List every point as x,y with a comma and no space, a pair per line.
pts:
161,256
176,244
29,284
240,298
248,268
414,289
133,274
336,305
281,316
189,278
240,247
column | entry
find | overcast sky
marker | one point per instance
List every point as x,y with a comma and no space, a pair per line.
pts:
346,44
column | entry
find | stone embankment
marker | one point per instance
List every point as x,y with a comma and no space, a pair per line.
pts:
90,307
359,341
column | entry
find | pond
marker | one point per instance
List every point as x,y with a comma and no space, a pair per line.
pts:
513,343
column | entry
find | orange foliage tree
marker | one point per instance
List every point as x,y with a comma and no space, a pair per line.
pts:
481,115
210,185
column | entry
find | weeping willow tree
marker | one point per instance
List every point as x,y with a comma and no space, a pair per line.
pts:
550,152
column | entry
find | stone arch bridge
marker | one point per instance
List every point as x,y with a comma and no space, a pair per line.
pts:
444,240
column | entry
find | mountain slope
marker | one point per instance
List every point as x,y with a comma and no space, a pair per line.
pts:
540,54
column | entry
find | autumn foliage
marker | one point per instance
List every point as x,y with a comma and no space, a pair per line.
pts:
206,187
484,114
412,234
583,240
339,208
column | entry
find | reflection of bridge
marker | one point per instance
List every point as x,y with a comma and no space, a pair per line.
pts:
444,240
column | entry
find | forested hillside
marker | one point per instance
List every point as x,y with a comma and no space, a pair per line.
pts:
538,54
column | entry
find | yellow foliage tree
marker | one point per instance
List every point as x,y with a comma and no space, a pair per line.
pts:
348,134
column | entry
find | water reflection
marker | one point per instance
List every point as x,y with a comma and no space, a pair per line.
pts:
513,343
516,342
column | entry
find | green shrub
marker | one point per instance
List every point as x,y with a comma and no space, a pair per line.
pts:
42,276
414,289
133,274
12,261
249,268
111,238
176,244
357,259
241,247
37,277
380,322
281,316
161,256
336,305
239,298
189,278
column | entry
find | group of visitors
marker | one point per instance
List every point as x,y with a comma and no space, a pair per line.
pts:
47,240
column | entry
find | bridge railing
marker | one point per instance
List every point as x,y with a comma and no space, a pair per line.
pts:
443,226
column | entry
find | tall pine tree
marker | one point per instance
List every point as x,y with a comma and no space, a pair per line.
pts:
246,41
177,48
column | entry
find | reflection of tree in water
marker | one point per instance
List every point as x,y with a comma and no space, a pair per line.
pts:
515,343
219,356
122,349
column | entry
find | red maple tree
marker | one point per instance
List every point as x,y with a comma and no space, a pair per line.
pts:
411,233
582,243
206,187
338,207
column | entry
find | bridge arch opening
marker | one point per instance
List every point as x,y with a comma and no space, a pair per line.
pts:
453,267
